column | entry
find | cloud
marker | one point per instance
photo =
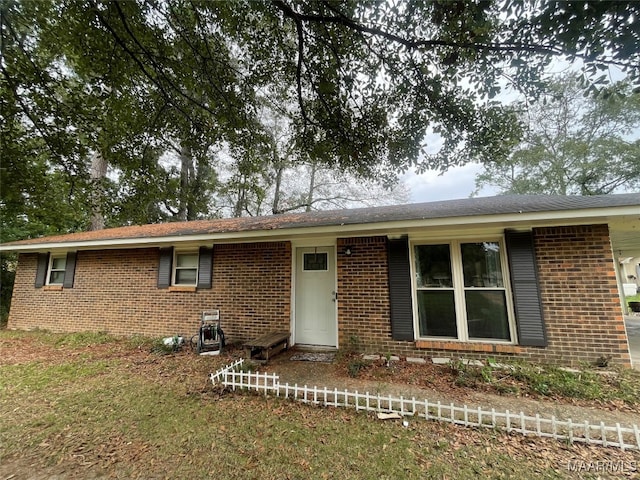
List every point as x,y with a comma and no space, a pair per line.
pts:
457,182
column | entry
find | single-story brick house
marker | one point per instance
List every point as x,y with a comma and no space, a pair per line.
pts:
532,277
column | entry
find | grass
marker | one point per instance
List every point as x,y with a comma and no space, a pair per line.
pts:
632,298
93,404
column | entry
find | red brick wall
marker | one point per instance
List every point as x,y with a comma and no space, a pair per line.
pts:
578,288
115,291
580,295
363,289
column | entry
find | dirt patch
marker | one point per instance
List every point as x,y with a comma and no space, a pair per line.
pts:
438,383
16,350
40,347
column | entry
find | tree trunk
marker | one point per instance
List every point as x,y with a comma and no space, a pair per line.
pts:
97,175
275,208
312,187
241,199
186,176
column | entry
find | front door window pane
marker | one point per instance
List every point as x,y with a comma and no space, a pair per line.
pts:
487,314
481,264
315,262
437,312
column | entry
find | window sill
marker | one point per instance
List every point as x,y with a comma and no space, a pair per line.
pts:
469,347
176,288
52,288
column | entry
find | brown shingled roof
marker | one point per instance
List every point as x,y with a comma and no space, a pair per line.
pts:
432,210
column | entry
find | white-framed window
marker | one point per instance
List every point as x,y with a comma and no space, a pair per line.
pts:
57,267
185,268
460,291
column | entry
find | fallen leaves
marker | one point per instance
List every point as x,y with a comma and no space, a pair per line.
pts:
257,435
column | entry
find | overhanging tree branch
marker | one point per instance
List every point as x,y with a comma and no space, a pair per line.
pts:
415,43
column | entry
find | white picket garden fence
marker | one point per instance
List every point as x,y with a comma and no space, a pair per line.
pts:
623,437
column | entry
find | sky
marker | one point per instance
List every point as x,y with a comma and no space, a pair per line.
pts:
457,182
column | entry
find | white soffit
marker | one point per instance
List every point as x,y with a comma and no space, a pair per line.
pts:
625,236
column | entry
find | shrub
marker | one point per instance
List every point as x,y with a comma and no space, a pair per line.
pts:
355,365
161,347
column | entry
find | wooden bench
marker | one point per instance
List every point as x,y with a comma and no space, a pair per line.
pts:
266,346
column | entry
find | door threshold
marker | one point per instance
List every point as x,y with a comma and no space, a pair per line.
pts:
314,348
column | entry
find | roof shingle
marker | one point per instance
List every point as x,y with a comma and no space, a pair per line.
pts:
507,204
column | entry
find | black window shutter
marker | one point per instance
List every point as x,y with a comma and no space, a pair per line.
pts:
41,272
400,289
525,289
69,270
205,262
164,267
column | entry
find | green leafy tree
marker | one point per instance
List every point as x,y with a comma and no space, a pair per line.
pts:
362,80
368,78
573,144
274,177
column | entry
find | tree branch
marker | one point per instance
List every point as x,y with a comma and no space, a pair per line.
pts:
210,57
150,57
416,44
43,129
289,12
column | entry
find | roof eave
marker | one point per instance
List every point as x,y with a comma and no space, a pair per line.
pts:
509,220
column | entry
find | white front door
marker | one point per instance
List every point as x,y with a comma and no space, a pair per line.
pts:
315,298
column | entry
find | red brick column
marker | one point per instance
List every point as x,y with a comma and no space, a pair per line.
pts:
579,293
363,289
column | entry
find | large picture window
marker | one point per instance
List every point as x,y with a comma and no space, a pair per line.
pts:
460,291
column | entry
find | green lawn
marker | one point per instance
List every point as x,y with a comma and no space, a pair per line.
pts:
90,405
632,298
